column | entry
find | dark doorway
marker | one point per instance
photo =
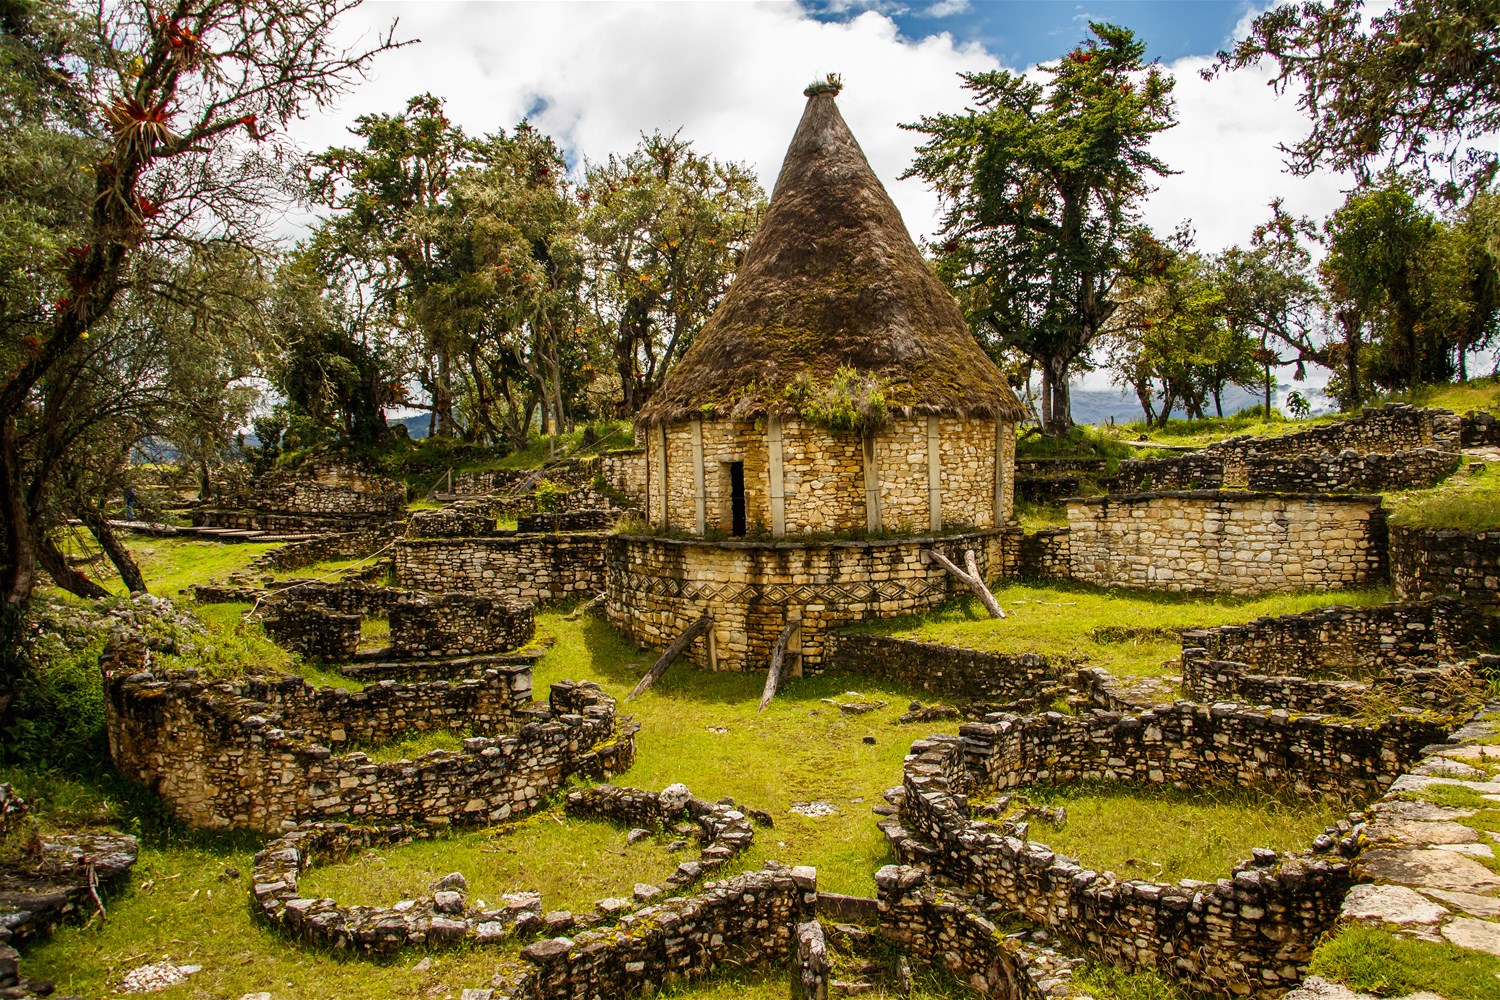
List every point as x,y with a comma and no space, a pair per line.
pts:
737,499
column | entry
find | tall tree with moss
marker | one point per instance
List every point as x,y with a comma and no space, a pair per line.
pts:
1041,185
1415,88
139,137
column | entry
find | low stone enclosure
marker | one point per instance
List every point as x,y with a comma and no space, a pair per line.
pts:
328,497
1217,936
262,751
1427,563
1426,655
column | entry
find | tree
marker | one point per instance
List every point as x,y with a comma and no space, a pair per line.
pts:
1411,89
138,136
388,197
666,228
1386,269
1268,291
1171,339
1041,186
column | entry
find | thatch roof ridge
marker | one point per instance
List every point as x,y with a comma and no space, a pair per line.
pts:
832,280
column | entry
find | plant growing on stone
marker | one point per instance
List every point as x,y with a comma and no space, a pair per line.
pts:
849,401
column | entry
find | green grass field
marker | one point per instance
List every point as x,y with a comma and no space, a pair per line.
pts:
1127,632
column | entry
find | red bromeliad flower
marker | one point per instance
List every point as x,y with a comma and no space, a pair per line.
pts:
149,208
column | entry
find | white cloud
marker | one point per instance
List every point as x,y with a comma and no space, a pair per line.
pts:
729,75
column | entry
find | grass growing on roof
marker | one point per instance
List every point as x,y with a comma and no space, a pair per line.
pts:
1128,632
1165,834
1376,961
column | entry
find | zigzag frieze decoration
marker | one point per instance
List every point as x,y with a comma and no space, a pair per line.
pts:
642,585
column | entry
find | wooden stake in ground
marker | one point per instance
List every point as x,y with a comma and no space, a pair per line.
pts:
673,651
972,578
778,656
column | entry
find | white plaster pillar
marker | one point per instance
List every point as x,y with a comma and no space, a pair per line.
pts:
1000,431
700,497
934,475
777,475
661,470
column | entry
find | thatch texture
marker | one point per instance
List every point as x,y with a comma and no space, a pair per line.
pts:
832,279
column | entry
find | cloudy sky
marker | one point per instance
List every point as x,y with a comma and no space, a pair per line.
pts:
730,76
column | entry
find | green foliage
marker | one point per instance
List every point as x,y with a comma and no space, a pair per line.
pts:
1041,185
57,719
849,401
1106,982
549,495
833,84
1377,961
1411,86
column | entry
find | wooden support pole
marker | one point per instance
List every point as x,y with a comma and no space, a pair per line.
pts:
672,652
972,578
778,658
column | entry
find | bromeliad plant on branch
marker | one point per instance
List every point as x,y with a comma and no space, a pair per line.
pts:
142,139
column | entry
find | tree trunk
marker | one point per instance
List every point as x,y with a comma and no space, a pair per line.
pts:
1350,321
119,555
19,552
65,576
442,394
1057,415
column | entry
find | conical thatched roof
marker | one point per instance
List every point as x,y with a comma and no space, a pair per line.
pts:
832,279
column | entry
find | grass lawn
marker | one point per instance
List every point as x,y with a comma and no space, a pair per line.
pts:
1463,502
800,749
1376,961
1166,834
1129,633
1475,394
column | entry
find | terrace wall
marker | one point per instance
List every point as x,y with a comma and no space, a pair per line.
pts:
1430,563
532,569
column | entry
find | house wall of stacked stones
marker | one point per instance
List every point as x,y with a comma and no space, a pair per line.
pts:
1014,681
823,475
1350,471
657,587
1227,542
1353,643
1383,430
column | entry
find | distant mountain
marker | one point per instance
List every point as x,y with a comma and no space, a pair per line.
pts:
1100,406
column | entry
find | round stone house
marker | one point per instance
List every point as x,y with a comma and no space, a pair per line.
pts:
833,420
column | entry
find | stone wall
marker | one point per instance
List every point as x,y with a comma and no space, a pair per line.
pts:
1377,430
312,630
1210,935
657,587
744,921
1447,688
1044,555
1353,643
625,472
1193,471
335,545
256,753
1429,563
1227,541
1481,429
577,520
287,498
983,681
532,569
824,476
463,519
1350,471
944,928
425,625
